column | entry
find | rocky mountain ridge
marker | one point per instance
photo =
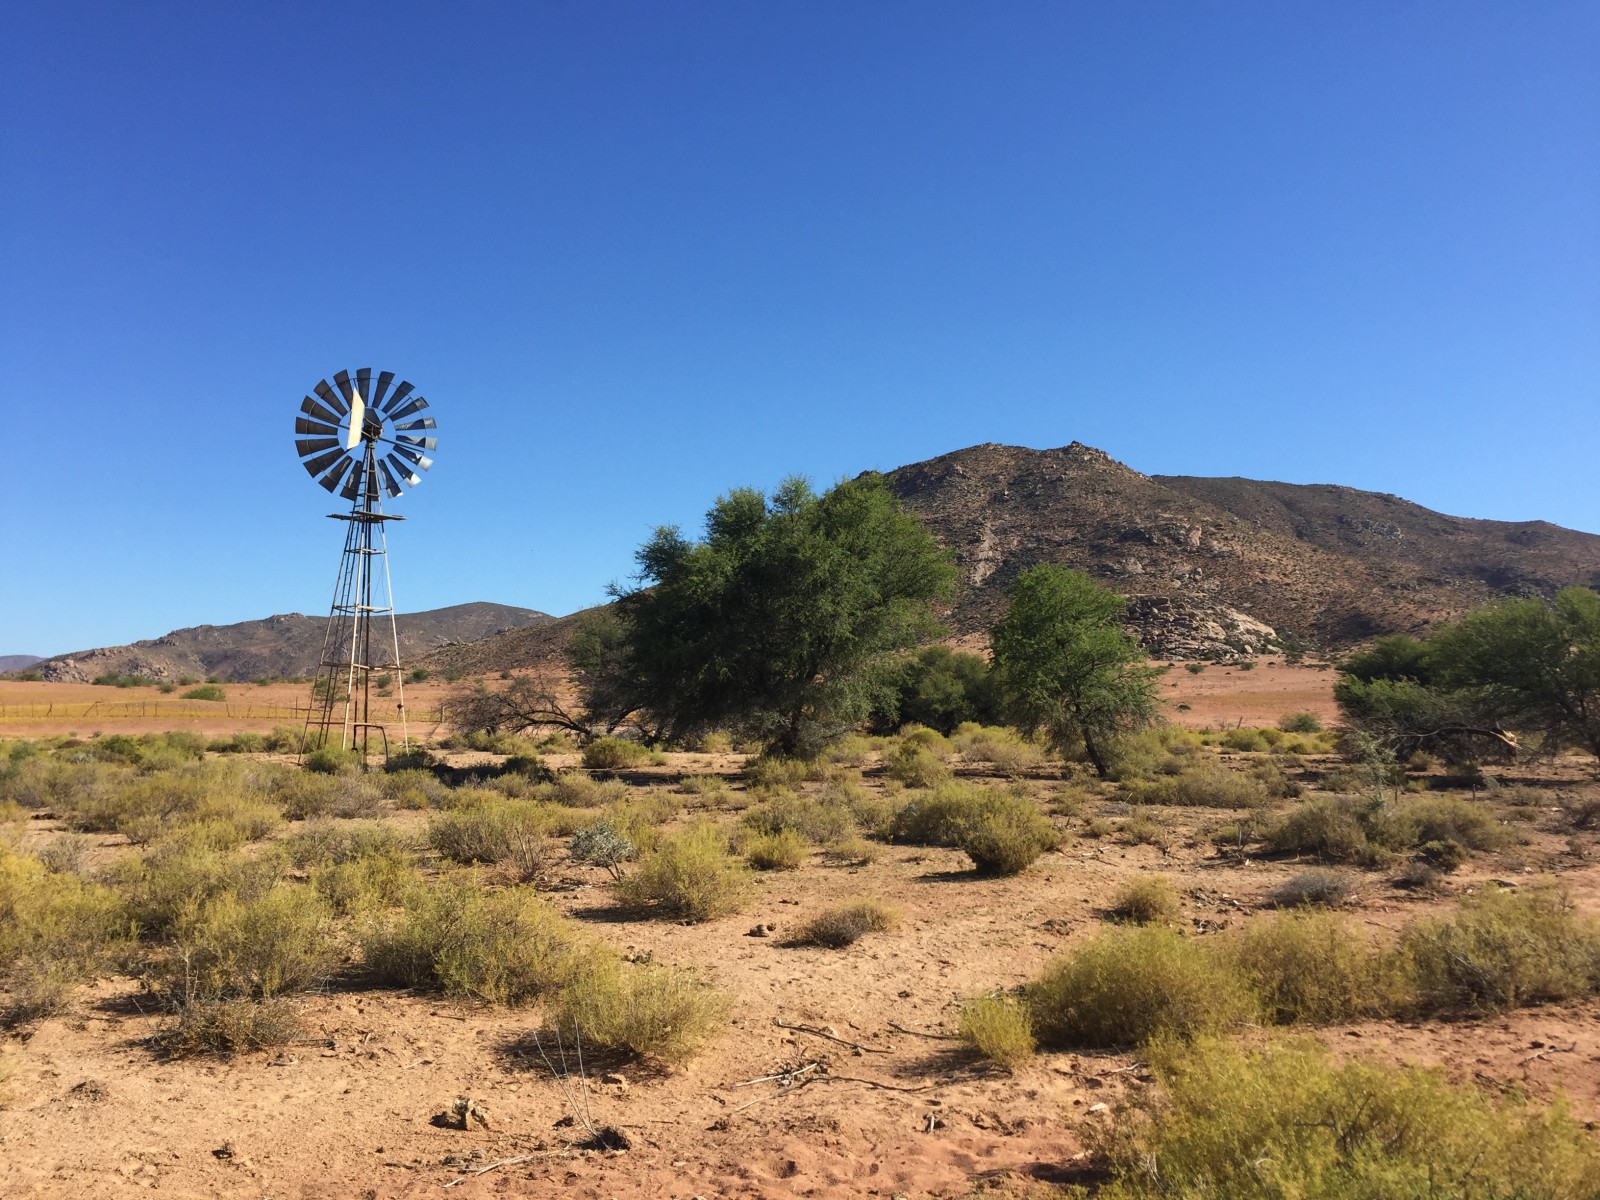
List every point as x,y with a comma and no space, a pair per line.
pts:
288,644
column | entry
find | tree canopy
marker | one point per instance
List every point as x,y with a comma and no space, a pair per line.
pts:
1512,667
1066,666
781,622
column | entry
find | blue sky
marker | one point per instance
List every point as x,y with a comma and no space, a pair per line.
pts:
636,254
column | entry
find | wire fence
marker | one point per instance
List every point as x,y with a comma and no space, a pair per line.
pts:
128,710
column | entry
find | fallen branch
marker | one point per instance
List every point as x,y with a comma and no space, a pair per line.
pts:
1547,1050
938,1037
506,1162
823,1033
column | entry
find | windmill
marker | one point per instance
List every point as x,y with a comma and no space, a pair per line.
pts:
362,440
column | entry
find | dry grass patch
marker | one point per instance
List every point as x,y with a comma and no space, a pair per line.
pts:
1152,900
847,923
647,1010
228,1027
782,851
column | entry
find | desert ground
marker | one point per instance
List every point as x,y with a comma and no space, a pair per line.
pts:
837,1074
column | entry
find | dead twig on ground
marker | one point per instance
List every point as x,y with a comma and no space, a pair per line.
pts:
938,1037
832,1037
506,1162
1546,1051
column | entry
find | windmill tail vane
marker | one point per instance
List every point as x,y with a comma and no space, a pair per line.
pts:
363,438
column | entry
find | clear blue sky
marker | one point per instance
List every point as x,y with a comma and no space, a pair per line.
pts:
637,253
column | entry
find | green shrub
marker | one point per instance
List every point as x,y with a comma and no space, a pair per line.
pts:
505,947
1285,1120
1152,900
1246,740
999,1028
272,945
915,765
850,750
175,878
782,851
1316,968
1502,950
329,760
614,754
646,1010
1300,722
1003,748
577,790
1001,831
1435,819
204,692
56,930
845,924
690,876
1128,985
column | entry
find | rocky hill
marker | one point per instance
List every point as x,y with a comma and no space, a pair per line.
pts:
1331,566
1213,567
285,645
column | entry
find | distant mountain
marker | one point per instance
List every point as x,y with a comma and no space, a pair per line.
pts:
288,644
17,662
1211,566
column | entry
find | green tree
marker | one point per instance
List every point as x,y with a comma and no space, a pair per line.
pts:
1534,664
1396,657
780,624
1066,666
940,688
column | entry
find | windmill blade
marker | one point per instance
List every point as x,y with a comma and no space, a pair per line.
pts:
308,405
301,425
331,479
352,489
411,456
403,471
342,382
389,485
414,406
381,389
305,446
331,398
420,443
319,464
364,384
421,423
400,393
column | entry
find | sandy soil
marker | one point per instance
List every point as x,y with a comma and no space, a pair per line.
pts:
904,1111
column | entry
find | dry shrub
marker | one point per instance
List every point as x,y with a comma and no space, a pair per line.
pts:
1142,829
689,876
1128,985
1504,949
1205,785
275,944
1002,748
776,772
999,1028
872,811
849,751
173,878
1325,827
1435,819
1315,968
785,850
512,832
614,754
574,789
1317,887
602,845
712,791
1287,1120
647,1010
851,852
228,1027
818,822
413,789
63,854
847,923
1152,900
504,947
56,931
1001,831
324,843
1247,741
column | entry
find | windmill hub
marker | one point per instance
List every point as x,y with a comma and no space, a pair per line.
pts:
361,437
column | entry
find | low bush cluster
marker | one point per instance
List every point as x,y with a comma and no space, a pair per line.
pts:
688,876
1001,831
845,924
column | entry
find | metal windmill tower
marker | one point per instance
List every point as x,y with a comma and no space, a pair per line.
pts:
362,440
